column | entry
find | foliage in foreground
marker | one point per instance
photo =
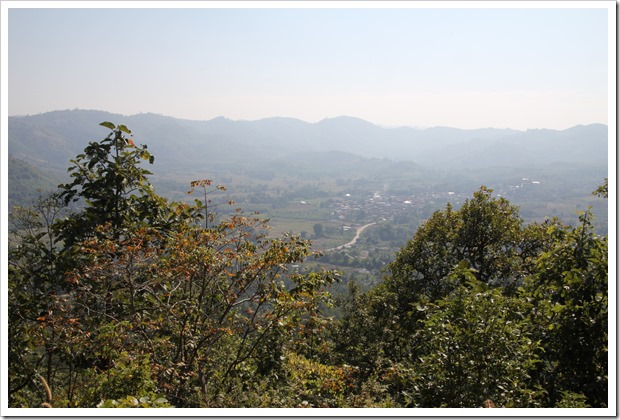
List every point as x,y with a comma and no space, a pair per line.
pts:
119,298
479,306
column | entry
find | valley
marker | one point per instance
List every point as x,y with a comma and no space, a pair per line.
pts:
324,181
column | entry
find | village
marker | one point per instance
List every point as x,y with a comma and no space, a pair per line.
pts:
377,207
389,207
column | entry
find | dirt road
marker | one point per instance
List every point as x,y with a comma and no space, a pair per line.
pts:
352,241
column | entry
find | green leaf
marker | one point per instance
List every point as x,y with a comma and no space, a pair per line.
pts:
124,129
557,308
108,125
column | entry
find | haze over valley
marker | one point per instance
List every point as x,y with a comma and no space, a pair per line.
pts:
339,173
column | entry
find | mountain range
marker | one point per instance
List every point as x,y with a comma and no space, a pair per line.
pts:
51,139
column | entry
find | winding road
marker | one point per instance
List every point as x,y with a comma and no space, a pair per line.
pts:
352,241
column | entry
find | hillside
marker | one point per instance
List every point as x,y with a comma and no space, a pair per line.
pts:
25,181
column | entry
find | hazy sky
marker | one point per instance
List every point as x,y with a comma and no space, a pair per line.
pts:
468,68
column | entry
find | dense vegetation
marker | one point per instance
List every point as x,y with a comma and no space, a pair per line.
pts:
120,297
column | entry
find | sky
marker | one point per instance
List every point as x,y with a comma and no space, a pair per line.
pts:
461,67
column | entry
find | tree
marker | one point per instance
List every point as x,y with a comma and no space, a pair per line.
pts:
602,190
569,291
367,331
35,275
478,306
132,298
484,232
214,307
475,344
111,186
318,230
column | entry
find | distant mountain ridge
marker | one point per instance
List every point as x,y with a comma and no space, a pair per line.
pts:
50,139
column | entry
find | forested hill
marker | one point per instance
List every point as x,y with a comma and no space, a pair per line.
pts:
49,140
